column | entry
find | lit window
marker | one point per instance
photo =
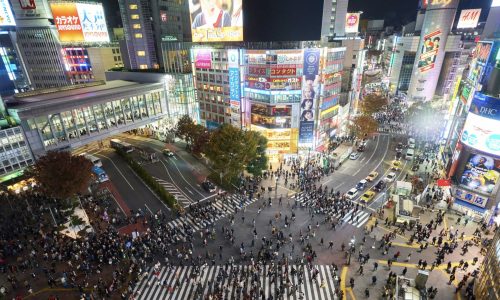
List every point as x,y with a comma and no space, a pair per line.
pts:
138,35
136,26
133,6
143,66
134,17
141,53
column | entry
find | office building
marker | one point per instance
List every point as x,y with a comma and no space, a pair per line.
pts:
103,59
38,45
334,15
486,285
12,75
146,23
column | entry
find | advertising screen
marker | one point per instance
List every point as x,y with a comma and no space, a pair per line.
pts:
80,22
352,22
310,94
481,129
481,173
430,49
469,18
482,52
6,16
203,59
216,21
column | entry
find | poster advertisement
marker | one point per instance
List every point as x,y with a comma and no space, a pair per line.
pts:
352,22
216,21
429,51
80,22
203,59
471,198
6,16
469,18
481,174
310,95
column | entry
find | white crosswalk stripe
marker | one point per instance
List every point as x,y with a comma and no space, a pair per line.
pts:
222,209
358,220
182,282
174,191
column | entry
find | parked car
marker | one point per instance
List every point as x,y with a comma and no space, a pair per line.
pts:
367,196
380,186
390,177
361,185
371,176
208,186
167,153
351,193
354,155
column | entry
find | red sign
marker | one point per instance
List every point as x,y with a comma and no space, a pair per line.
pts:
443,182
283,72
27,4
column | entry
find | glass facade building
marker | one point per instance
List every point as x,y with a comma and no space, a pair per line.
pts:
15,153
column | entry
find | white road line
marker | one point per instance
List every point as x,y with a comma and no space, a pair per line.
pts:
186,180
116,167
173,183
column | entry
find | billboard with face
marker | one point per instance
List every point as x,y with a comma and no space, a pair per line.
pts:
310,95
216,20
481,173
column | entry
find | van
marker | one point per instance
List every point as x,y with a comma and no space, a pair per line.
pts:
409,154
411,143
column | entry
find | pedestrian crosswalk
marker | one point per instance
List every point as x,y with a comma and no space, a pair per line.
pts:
238,282
222,208
356,219
174,191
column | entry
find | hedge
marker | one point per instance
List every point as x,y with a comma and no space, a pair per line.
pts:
157,188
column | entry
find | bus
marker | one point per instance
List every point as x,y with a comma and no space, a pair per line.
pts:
95,160
117,144
100,175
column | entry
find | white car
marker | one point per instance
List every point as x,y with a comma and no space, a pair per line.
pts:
390,177
352,193
411,143
354,155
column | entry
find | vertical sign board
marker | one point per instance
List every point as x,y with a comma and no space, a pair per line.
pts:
352,22
234,86
430,48
310,95
6,15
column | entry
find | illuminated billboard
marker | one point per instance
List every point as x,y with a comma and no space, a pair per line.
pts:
352,22
480,174
216,21
430,48
310,95
469,18
80,22
203,59
6,16
481,129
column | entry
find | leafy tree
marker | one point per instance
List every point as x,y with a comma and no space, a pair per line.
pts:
372,103
62,175
231,149
363,125
260,162
201,139
185,129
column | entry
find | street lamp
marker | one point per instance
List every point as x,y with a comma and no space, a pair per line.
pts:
276,188
351,249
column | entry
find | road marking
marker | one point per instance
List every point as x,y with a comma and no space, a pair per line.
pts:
116,167
187,181
149,209
173,183
376,146
189,191
343,276
351,294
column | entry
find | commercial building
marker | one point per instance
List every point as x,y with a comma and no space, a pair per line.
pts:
104,58
289,93
334,17
146,24
38,44
486,285
12,74
78,65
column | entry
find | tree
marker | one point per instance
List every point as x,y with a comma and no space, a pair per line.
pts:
62,175
231,149
201,137
260,162
363,125
185,129
372,103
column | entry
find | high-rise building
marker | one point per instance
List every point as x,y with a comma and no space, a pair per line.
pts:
486,285
146,24
12,75
38,44
103,59
334,15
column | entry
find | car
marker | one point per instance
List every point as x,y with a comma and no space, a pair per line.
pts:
354,155
390,177
367,196
396,165
361,148
411,143
371,176
398,155
208,186
380,186
361,185
167,153
415,167
399,147
351,193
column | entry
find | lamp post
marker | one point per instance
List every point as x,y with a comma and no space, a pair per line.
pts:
351,249
276,188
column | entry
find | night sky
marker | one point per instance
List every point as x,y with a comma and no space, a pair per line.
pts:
267,20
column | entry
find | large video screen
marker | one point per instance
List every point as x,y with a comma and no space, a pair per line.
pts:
80,22
216,20
481,173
